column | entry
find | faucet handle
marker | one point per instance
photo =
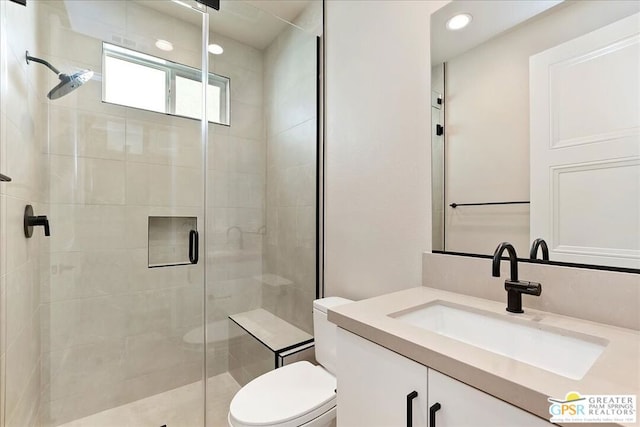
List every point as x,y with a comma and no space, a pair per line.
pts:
523,287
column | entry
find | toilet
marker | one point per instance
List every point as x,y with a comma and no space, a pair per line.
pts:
300,394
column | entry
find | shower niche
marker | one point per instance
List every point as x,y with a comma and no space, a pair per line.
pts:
173,240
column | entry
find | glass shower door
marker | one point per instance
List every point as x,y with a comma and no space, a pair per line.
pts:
121,300
262,195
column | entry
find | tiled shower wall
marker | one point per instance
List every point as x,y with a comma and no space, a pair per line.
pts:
23,127
290,102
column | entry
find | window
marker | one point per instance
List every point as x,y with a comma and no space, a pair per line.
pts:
138,80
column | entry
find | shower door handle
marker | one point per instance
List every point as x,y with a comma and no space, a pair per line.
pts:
193,246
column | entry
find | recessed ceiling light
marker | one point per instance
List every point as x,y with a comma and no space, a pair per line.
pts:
164,45
216,49
459,21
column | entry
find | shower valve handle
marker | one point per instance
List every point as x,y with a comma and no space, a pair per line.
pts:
30,221
42,220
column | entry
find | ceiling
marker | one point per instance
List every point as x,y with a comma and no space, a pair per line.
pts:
285,9
253,22
490,18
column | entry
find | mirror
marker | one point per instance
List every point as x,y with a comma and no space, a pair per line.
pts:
536,130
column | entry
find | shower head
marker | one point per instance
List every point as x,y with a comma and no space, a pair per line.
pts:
67,82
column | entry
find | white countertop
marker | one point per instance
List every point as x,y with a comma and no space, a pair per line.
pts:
616,371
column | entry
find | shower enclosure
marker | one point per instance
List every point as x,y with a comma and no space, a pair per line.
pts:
180,185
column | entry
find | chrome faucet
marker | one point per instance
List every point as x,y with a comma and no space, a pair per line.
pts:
539,243
514,287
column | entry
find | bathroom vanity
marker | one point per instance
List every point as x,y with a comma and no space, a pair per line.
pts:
380,386
426,357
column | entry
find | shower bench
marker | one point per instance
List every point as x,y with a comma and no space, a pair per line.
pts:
264,342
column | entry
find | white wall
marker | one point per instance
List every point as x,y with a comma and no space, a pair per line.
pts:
377,145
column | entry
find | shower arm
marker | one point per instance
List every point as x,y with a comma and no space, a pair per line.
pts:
43,62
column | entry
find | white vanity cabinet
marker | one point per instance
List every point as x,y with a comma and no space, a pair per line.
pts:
465,406
375,387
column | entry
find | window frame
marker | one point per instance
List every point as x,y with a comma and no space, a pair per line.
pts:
171,70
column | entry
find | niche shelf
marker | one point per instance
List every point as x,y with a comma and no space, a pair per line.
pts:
169,240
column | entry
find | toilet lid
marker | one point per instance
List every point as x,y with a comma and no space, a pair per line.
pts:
285,394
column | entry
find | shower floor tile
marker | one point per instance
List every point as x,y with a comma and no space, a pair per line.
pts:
180,407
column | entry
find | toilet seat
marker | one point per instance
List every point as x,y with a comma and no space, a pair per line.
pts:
286,397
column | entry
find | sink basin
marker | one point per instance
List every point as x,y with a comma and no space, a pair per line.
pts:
559,351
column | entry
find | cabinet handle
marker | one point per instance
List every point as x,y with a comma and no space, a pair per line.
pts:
432,414
193,246
410,398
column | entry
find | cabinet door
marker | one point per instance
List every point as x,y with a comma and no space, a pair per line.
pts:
376,385
464,406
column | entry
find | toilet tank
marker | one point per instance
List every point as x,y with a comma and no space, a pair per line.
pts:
325,332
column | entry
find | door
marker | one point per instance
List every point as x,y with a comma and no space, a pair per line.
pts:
377,387
124,283
585,147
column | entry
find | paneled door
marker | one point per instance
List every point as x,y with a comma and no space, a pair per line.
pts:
585,146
